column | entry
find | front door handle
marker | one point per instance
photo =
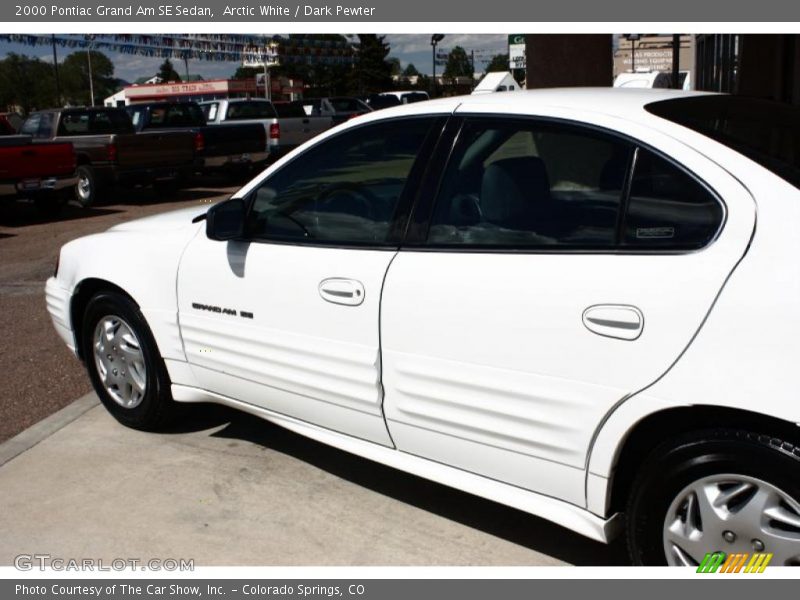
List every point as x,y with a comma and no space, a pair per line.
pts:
342,291
620,321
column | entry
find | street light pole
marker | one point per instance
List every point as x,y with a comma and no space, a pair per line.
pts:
90,40
435,39
632,37
91,83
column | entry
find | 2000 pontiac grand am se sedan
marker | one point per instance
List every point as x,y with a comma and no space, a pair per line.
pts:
580,303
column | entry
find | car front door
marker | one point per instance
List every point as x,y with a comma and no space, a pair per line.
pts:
564,268
287,318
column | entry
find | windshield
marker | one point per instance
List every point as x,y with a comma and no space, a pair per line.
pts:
764,131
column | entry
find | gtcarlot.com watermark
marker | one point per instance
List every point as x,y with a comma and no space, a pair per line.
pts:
30,562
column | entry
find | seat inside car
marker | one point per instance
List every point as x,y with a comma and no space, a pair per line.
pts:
515,194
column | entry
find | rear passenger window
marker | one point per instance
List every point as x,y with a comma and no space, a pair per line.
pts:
527,184
668,208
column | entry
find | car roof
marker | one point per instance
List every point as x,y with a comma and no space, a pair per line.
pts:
625,103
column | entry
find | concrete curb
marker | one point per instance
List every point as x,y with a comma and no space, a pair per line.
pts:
46,427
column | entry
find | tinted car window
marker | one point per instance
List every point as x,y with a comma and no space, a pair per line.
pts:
527,184
764,131
668,208
176,115
290,111
249,110
31,124
344,190
347,104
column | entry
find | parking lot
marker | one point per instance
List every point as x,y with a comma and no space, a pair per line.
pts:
39,374
227,487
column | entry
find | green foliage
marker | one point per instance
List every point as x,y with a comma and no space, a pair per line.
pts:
499,62
247,72
394,64
167,72
74,74
410,70
372,72
26,82
458,64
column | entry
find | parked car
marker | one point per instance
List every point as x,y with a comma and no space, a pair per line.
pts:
408,96
10,123
558,300
109,152
230,148
286,123
379,101
338,108
42,172
653,79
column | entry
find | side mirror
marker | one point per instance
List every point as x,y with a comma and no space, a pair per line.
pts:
225,221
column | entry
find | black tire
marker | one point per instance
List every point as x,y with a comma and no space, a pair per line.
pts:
673,466
86,191
156,406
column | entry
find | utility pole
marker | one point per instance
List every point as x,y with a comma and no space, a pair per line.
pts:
676,61
435,39
55,67
186,66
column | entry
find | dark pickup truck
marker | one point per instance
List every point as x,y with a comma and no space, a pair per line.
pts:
109,151
42,172
220,147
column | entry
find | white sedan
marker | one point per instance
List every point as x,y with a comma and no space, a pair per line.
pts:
580,303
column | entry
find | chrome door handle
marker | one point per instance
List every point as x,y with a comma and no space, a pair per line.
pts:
342,291
620,321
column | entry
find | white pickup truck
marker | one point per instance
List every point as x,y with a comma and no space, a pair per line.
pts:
287,125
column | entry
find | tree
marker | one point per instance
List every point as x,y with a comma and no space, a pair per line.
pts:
410,71
27,83
166,72
458,64
372,72
499,62
394,64
247,72
74,73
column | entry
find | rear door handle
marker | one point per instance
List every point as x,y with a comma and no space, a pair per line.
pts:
620,321
339,290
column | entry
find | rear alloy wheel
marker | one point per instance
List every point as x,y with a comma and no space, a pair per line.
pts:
734,512
721,490
124,365
86,188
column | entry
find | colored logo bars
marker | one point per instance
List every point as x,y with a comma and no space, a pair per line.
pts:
737,562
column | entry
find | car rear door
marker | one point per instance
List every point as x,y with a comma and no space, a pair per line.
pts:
287,319
565,266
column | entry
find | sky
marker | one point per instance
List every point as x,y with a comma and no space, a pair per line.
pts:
409,48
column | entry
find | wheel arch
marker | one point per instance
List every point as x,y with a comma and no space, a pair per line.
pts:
83,292
657,427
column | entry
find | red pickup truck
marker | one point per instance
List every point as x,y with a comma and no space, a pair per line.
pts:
42,172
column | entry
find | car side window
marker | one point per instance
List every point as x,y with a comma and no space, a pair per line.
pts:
344,190
31,125
668,208
531,184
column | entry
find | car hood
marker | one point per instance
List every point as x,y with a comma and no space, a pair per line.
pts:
170,221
